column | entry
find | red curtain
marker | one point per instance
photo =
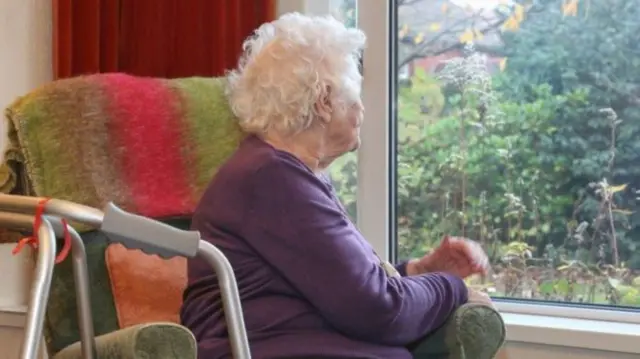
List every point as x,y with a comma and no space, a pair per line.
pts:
160,38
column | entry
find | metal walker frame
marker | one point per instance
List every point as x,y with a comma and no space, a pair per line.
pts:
134,232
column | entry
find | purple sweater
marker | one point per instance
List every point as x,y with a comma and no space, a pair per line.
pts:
311,285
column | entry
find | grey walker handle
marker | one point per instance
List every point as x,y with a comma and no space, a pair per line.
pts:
148,235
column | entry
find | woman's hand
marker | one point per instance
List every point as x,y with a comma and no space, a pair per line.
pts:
478,297
455,255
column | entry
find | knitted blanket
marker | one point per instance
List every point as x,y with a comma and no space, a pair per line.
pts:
149,145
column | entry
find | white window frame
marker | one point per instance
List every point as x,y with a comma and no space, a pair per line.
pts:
547,324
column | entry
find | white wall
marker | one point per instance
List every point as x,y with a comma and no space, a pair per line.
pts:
25,47
25,63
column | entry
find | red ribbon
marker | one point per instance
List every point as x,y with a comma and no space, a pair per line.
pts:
33,240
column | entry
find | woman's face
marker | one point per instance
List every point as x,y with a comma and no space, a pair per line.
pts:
343,131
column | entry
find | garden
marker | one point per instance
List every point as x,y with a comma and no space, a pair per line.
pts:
527,144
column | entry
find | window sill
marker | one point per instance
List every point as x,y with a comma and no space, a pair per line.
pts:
573,332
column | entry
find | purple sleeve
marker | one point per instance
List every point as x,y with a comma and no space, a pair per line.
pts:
296,226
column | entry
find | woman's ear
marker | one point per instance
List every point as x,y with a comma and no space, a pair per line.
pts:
323,107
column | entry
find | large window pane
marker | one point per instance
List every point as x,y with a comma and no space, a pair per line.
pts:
518,125
344,171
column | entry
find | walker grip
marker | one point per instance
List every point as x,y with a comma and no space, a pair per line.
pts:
148,235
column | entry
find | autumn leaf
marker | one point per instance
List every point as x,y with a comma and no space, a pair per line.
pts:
467,36
503,64
518,13
418,38
570,8
404,31
435,27
615,189
512,24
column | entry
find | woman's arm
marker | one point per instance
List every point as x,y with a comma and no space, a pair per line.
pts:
403,268
295,225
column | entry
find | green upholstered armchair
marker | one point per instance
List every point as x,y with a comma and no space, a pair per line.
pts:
89,140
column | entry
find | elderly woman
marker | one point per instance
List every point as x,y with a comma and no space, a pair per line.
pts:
311,285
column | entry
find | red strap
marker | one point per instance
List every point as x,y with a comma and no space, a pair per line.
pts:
33,239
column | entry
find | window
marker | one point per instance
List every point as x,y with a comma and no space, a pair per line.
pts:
345,11
516,129
514,125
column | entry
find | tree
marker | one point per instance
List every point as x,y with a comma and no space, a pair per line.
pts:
432,28
430,33
591,49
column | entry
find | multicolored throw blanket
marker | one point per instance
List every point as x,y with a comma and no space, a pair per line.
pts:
149,145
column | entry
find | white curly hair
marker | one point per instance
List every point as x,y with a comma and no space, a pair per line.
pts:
288,65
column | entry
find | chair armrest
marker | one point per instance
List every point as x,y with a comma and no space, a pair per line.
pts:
155,340
474,331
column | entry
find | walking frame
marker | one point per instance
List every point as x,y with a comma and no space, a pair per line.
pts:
134,232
